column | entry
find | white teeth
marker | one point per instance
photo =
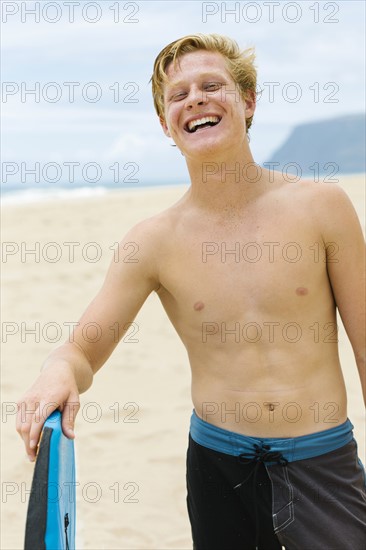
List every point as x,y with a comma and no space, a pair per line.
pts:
203,120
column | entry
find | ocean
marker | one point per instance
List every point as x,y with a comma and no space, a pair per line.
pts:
25,193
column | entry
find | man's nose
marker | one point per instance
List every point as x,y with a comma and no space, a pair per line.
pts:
195,98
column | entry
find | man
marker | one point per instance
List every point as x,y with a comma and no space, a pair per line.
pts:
250,269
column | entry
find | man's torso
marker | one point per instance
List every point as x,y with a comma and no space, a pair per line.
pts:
248,292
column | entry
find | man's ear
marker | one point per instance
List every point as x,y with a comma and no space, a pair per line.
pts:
164,126
250,103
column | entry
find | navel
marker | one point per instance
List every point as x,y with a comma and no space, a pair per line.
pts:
198,306
301,291
271,406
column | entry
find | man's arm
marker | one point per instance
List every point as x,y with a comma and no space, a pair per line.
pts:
345,256
69,369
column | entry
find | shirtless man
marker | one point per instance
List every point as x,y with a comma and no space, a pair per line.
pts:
250,269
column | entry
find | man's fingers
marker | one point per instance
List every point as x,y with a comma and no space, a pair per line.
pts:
70,410
45,409
29,423
54,389
34,435
24,434
29,418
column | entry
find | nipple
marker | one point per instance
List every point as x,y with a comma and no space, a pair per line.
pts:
301,291
198,306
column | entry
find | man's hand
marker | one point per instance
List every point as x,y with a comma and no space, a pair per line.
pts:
55,388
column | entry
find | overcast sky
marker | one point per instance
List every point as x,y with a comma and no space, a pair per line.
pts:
310,59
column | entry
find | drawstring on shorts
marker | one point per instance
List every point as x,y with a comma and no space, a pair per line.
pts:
262,454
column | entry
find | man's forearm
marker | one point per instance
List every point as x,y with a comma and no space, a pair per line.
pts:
73,357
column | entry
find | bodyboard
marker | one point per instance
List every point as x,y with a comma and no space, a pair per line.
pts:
51,513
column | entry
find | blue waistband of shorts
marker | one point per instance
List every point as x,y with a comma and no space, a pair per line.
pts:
292,448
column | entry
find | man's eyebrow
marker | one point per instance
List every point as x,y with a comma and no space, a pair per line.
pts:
204,76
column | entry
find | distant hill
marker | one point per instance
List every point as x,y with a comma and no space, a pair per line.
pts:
334,143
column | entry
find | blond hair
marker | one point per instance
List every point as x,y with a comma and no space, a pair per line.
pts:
240,64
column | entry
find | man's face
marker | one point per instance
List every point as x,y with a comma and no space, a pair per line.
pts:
204,112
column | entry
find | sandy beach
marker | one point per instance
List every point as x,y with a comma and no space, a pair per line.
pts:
132,429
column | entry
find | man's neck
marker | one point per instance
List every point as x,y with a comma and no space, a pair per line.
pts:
232,180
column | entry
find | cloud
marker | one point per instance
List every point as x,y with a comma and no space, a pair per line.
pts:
309,53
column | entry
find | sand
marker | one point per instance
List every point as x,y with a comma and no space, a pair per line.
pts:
131,433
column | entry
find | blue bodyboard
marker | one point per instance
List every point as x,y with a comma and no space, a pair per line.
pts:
52,510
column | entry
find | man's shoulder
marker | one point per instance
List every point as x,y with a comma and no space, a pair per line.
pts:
307,188
326,204
327,196
157,228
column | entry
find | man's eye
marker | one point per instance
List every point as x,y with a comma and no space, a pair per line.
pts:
178,96
212,86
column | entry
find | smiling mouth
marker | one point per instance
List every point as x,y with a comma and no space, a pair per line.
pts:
200,123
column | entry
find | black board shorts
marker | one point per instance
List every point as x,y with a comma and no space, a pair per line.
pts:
302,493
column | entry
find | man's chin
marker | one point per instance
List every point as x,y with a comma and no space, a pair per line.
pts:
203,151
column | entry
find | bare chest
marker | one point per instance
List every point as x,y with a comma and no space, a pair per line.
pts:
230,267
